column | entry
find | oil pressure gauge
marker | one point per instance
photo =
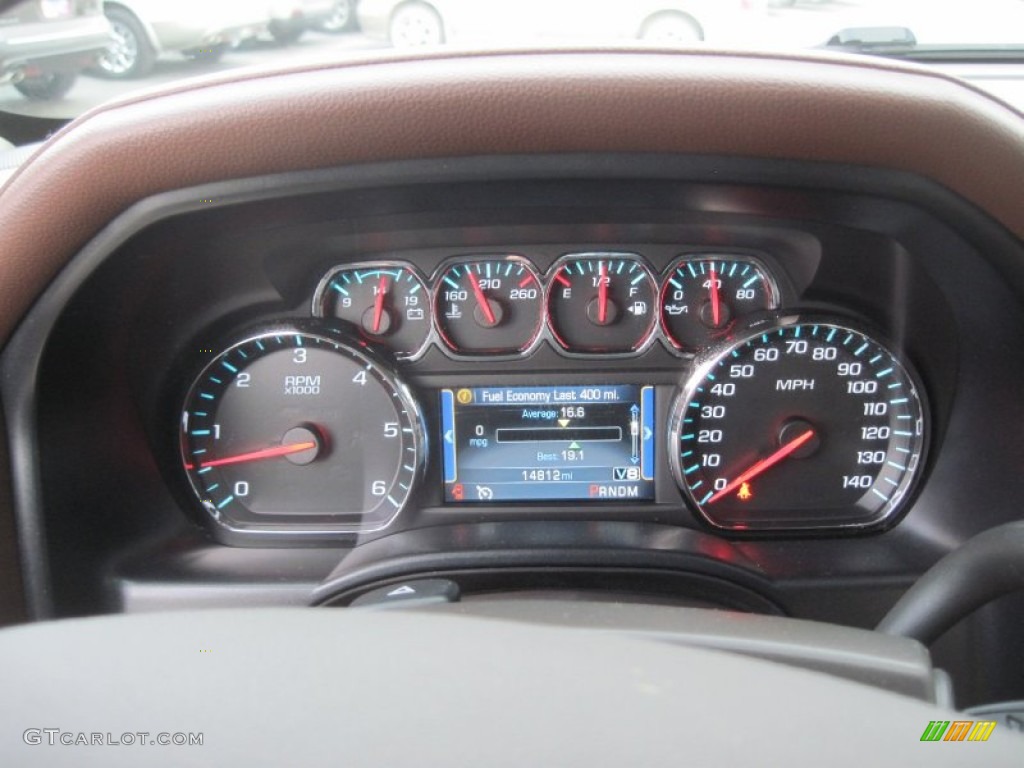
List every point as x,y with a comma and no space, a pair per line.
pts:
703,297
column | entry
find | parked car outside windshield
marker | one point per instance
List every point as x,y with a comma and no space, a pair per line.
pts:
44,44
156,42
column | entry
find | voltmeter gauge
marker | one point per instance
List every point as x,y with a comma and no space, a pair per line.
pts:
385,303
292,432
489,306
703,297
601,303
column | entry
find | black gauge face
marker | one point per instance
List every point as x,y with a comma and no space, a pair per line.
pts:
807,425
386,303
489,307
704,296
294,432
601,304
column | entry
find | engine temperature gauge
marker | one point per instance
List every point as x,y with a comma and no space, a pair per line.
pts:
489,306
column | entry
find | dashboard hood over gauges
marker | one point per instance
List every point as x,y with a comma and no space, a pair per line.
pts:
823,108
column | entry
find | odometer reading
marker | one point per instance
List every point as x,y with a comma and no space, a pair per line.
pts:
807,425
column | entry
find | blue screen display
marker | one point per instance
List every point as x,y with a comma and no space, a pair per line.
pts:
514,444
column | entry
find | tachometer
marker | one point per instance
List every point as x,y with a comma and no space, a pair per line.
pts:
293,432
804,424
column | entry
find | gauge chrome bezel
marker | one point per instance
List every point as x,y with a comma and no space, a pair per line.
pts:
251,533
656,333
768,322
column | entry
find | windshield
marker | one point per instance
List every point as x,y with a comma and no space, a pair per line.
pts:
59,58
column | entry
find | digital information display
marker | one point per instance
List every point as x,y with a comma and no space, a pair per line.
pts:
512,444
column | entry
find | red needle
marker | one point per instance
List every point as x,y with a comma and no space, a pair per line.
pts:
716,306
763,464
266,453
378,303
602,295
481,299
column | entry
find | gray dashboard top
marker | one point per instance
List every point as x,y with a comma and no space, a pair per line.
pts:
401,688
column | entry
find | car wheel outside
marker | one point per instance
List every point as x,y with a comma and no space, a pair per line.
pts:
671,29
414,25
342,17
48,86
130,54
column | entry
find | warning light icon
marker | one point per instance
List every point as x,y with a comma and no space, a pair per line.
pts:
464,396
744,492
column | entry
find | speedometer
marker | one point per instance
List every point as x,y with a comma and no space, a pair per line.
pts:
802,425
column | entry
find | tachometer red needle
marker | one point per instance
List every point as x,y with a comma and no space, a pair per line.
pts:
763,464
602,295
378,303
485,307
266,453
716,305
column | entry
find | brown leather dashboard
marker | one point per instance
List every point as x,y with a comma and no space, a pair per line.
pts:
832,109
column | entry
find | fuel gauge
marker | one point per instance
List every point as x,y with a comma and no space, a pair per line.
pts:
601,303
385,302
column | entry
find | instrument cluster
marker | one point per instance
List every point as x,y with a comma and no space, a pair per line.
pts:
773,420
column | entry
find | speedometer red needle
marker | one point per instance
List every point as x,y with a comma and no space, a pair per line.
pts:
266,453
602,295
716,304
485,306
763,464
378,303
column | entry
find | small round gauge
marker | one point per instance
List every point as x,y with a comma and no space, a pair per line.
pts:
489,306
601,303
386,302
292,432
803,424
703,297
